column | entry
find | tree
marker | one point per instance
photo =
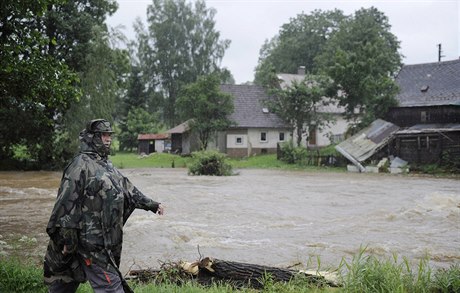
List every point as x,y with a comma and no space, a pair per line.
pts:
300,103
35,88
46,49
298,43
181,44
207,106
82,40
69,27
362,58
102,84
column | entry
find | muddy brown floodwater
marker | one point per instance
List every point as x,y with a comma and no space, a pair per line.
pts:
267,217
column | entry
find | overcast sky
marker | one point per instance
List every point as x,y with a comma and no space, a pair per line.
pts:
419,25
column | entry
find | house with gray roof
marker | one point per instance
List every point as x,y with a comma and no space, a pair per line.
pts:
256,129
429,93
428,113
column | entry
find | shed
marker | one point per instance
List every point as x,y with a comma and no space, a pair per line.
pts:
183,139
428,143
149,143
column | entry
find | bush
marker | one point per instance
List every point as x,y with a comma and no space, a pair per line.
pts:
292,154
209,163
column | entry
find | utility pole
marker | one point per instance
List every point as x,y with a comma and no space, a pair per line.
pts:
440,53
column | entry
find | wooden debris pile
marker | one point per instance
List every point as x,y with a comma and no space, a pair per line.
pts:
210,270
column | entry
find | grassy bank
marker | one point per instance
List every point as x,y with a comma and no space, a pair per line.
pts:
364,273
162,160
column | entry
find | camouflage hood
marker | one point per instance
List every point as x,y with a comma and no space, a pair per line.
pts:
92,143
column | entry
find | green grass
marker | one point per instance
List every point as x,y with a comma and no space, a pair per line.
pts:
368,273
163,160
20,277
155,160
365,273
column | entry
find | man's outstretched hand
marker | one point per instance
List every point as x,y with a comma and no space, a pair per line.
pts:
160,210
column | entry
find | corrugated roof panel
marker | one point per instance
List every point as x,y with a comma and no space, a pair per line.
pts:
368,141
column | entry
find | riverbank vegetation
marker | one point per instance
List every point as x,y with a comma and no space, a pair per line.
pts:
163,160
292,158
364,273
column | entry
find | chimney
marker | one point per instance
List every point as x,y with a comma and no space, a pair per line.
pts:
301,70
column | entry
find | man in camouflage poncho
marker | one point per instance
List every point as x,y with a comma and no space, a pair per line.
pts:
93,203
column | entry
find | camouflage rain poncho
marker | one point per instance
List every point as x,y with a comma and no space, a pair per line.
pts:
93,203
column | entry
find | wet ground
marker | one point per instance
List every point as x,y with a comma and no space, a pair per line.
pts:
268,217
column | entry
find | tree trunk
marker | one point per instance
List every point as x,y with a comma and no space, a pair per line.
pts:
241,274
209,271
299,134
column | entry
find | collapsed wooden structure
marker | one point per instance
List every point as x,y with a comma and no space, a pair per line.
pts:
210,270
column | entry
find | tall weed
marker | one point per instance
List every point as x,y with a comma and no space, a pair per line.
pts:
367,273
16,276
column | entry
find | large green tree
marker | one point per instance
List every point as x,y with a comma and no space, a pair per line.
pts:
54,58
297,44
300,104
206,106
69,26
180,44
35,88
83,41
103,84
362,58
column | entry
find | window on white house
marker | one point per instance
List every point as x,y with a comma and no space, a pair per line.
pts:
336,138
281,136
239,140
263,136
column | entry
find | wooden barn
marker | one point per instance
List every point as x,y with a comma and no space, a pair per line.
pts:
150,143
428,113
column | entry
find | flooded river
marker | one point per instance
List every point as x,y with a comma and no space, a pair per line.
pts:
268,217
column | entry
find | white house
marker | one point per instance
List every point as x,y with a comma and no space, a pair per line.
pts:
256,129
332,133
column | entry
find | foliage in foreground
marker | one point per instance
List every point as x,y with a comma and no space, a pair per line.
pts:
20,277
363,274
209,163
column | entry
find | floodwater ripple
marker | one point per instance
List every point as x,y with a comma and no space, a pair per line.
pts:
269,217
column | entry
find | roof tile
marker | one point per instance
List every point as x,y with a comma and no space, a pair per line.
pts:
248,102
441,78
